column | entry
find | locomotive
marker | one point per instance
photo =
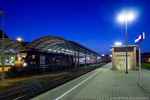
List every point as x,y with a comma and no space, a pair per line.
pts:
33,61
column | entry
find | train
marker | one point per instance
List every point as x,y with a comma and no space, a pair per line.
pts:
33,61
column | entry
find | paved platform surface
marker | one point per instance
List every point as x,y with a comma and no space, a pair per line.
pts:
102,84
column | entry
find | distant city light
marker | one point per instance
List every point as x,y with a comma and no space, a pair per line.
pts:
118,43
103,55
19,39
110,55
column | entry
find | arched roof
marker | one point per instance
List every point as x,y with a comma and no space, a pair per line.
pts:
51,44
54,44
11,46
83,47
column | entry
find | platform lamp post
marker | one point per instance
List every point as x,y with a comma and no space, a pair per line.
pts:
118,43
3,55
19,39
126,17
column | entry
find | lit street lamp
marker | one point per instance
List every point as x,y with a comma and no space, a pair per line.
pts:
103,55
19,39
3,62
126,17
118,43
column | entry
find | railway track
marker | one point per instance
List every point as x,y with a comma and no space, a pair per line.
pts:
26,92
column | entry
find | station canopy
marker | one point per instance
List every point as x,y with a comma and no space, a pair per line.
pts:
10,46
82,49
53,44
49,44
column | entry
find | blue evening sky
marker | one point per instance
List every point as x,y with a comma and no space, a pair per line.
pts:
92,23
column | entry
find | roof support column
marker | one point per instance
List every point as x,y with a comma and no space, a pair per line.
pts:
90,58
78,57
75,58
85,57
93,59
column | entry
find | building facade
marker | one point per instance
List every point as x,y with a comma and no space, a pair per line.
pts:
119,57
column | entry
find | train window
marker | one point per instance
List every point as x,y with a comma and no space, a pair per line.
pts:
54,58
42,59
33,56
7,59
0,60
22,55
58,61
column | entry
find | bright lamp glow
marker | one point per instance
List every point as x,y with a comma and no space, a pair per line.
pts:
19,39
122,17
19,58
25,64
130,16
118,43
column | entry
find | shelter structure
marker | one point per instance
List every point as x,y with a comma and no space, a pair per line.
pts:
119,57
57,45
11,48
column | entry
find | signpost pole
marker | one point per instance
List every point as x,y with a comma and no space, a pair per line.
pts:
138,40
139,65
3,53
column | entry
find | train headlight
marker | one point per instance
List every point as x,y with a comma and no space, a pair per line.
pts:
19,58
24,64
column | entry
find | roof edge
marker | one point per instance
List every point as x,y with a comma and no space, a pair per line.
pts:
124,46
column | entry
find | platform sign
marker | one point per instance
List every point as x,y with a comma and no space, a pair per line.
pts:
140,38
138,41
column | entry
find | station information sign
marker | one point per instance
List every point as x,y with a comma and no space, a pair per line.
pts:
138,41
140,38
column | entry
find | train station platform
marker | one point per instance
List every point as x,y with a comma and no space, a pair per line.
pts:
102,84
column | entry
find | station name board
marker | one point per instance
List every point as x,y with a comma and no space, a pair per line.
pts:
140,38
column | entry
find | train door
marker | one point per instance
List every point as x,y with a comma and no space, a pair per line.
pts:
42,62
34,62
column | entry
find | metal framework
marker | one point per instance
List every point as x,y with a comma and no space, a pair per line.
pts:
11,46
